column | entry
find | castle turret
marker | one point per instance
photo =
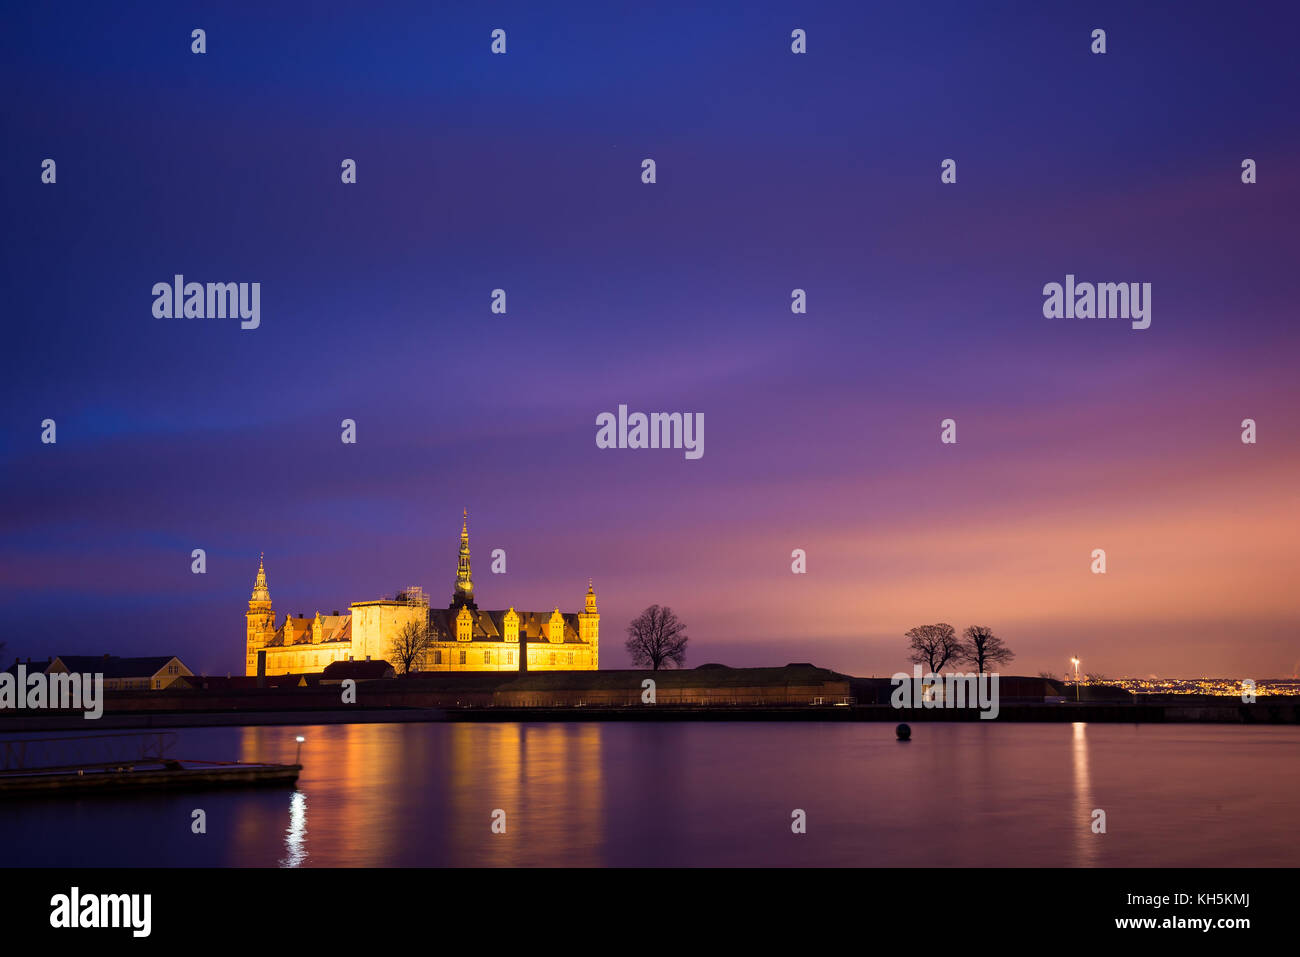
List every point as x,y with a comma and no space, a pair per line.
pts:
589,624
260,619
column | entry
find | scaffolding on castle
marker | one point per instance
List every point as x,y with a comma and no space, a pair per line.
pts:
414,596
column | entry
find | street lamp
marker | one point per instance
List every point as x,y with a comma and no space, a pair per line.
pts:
298,760
1074,661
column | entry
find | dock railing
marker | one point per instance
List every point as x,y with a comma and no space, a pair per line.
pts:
70,752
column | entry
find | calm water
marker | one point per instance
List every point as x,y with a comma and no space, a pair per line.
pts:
705,794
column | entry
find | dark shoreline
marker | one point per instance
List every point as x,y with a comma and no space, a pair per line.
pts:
1282,711
795,692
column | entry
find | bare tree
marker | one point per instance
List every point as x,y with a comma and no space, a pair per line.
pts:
1095,678
981,648
409,646
933,645
655,637
1049,675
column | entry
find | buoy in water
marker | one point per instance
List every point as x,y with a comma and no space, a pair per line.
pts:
904,732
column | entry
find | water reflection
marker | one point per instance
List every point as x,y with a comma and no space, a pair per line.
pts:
1085,841
425,795
982,794
295,836
545,778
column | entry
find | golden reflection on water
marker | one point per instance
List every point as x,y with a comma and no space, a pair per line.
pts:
382,795
403,795
1085,842
547,779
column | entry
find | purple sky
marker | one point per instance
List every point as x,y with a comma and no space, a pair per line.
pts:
775,171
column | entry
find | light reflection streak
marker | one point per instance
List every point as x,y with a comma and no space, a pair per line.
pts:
1085,843
295,836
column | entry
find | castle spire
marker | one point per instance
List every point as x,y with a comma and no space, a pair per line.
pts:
260,591
464,591
260,619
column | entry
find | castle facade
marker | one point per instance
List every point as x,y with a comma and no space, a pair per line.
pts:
462,637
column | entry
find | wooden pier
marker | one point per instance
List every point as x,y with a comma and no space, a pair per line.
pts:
170,776
102,767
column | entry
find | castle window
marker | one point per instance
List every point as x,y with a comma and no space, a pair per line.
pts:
571,657
552,659
510,657
462,657
487,657
437,657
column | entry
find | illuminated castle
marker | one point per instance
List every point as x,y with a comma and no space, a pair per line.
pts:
463,638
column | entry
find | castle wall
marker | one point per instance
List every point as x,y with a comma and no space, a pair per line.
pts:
472,656
504,656
375,623
305,658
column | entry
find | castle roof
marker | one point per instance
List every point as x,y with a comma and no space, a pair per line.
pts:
336,627
491,625
111,666
297,631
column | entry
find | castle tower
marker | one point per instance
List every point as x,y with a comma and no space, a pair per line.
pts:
260,619
589,625
464,591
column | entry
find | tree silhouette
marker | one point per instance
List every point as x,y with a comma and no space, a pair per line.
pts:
981,648
933,645
655,637
409,646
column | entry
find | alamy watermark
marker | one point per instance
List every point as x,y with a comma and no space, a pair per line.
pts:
214,300
946,691
59,691
658,430
76,909
1103,300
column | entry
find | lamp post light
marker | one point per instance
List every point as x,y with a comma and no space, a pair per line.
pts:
298,759
1074,661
